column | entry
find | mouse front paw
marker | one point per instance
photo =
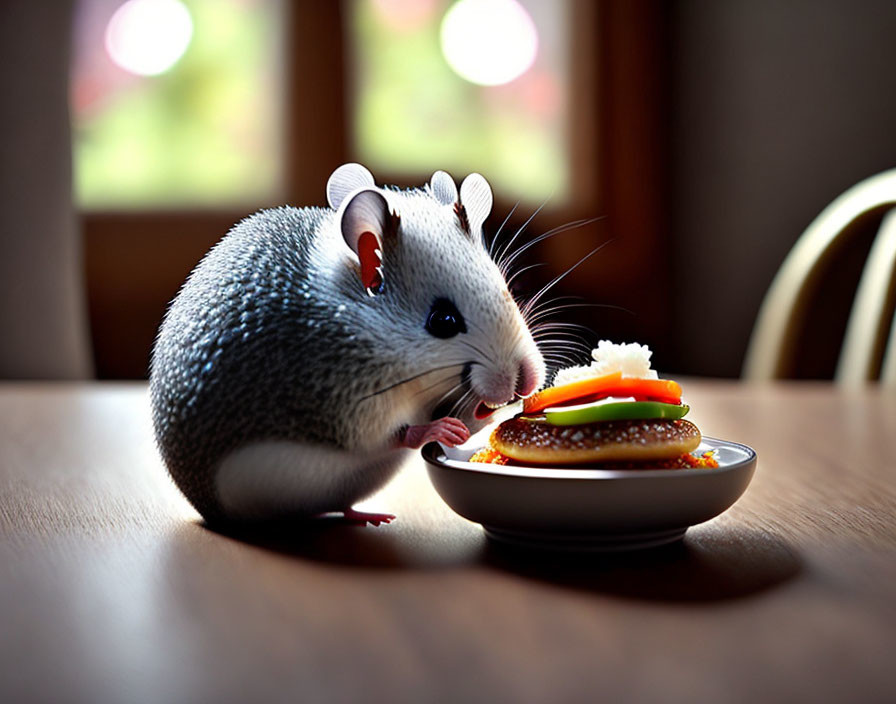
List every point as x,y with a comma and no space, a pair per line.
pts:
448,431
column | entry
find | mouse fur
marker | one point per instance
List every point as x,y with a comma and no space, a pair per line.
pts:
281,386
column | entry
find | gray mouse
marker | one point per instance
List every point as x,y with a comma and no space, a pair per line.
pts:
312,347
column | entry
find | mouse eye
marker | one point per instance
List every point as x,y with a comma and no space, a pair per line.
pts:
444,319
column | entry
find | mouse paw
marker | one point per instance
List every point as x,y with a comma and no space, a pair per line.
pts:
362,518
448,431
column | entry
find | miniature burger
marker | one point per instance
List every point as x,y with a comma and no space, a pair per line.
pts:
614,413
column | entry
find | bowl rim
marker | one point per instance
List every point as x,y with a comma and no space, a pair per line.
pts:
435,455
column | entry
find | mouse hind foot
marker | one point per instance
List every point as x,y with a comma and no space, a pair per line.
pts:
363,518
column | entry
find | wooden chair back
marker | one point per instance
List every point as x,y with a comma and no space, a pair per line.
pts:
869,326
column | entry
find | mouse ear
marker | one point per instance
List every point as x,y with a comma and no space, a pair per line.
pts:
344,180
443,188
476,200
367,223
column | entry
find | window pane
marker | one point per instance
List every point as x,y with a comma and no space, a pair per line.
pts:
413,110
204,131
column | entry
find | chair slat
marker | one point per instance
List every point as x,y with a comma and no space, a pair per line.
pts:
867,317
888,370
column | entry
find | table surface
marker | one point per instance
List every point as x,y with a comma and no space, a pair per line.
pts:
112,589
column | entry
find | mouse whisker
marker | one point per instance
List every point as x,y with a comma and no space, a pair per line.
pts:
494,242
558,357
550,303
441,381
469,406
523,270
572,356
555,325
448,393
458,407
506,263
562,341
564,344
548,311
506,248
567,342
560,229
473,347
455,387
411,378
561,327
560,361
557,279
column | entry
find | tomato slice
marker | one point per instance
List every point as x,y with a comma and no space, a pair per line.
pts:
557,395
662,390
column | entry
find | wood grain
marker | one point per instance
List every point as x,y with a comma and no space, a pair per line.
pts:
111,589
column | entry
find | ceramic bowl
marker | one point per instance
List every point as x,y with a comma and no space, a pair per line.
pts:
586,508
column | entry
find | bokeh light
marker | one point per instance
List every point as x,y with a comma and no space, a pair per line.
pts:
147,37
489,42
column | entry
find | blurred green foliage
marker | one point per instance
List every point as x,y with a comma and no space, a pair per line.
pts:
204,133
413,114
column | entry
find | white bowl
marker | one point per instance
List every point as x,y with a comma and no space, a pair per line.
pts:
589,509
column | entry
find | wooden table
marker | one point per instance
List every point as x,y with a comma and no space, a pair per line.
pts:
112,590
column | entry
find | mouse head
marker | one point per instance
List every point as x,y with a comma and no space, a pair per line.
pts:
422,260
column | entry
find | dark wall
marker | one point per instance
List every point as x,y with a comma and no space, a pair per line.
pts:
776,108
42,318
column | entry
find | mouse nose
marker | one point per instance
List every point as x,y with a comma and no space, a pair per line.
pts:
526,379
